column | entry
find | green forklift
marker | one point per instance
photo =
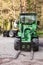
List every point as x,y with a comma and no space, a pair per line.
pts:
27,34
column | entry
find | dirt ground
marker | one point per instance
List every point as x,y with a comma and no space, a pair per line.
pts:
8,54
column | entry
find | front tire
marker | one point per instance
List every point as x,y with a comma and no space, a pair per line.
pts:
35,44
11,34
17,44
36,48
5,34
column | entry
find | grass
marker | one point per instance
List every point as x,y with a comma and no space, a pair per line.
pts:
40,32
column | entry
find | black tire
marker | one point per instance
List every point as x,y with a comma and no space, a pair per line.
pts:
36,45
17,44
7,34
36,48
4,34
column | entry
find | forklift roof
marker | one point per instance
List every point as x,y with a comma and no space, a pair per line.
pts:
27,13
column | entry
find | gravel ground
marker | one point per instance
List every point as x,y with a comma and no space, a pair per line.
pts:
8,54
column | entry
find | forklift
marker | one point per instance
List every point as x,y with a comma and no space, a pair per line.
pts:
10,30
27,37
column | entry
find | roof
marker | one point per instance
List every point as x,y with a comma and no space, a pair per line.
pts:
27,13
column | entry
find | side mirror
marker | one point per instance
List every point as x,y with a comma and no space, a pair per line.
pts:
38,22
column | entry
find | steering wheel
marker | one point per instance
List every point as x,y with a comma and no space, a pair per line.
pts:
30,21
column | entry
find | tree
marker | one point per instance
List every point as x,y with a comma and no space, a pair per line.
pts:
29,6
5,23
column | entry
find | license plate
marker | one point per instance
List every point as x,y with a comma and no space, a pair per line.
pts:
25,47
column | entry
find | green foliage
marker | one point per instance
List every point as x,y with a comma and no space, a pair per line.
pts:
40,32
5,23
29,5
6,0
28,1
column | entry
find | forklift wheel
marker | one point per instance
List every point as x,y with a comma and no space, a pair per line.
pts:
4,34
36,48
36,44
17,44
11,34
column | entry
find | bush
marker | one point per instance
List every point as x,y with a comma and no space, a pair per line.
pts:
40,32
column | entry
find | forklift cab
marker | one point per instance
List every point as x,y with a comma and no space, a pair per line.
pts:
28,18
27,32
